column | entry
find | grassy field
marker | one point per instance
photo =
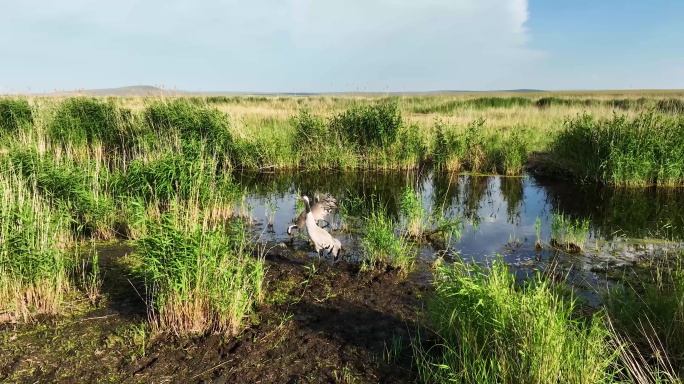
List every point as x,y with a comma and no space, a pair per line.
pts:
625,139
156,172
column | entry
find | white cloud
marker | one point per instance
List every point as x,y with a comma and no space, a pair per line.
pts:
285,45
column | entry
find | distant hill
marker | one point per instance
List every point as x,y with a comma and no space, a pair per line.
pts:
134,90
148,90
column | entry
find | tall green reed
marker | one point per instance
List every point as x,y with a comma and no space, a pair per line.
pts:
382,247
14,114
488,329
190,122
74,188
412,210
80,120
35,264
645,150
201,273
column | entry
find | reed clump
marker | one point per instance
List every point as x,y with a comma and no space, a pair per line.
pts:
82,121
190,122
71,188
640,151
369,125
313,141
201,274
567,233
412,211
172,176
673,106
14,114
35,263
490,329
480,103
382,247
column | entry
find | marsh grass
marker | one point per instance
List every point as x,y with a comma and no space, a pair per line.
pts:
70,187
640,151
35,263
673,106
14,115
80,120
382,247
648,313
341,132
174,175
191,122
567,233
201,274
369,125
490,329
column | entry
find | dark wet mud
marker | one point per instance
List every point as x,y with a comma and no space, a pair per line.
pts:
320,323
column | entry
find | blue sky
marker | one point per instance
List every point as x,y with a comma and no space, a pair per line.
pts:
341,45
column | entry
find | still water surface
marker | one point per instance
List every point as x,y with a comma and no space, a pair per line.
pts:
499,213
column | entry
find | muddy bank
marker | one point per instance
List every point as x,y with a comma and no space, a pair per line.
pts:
320,323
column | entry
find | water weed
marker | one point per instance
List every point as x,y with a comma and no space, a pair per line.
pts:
412,211
383,248
567,233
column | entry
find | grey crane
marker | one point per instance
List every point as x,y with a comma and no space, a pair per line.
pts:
319,236
321,209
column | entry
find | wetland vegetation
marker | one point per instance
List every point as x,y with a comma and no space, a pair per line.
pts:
510,238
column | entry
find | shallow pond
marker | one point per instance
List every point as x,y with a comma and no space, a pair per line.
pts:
499,213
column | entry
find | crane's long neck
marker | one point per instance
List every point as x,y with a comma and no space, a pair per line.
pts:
310,221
